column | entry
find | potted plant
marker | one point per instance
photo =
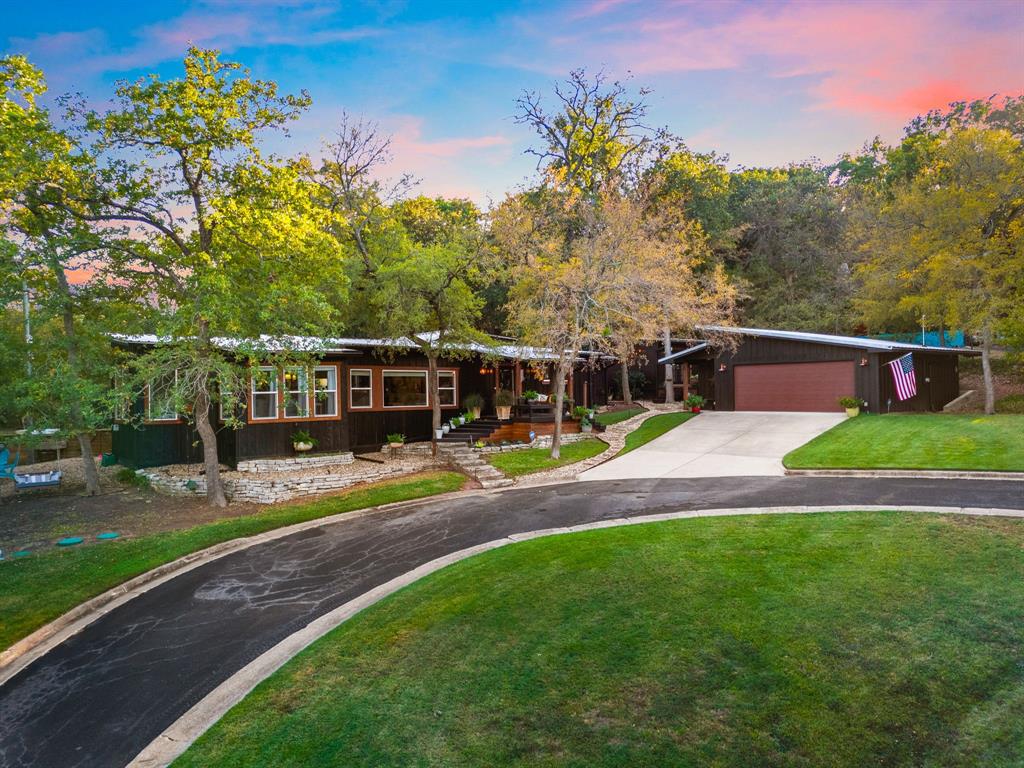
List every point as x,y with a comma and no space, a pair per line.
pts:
530,395
302,441
581,413
396,440
446,426
696,402
503,404
473,402
851,404
478,444
439,432
585,425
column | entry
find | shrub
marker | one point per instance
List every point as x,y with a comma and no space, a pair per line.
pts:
395,437
503,398
850,402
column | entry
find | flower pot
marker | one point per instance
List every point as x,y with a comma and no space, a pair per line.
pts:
439,433
695,409
395,445
588,427
851,412
445,428
504,412
475,412
302,447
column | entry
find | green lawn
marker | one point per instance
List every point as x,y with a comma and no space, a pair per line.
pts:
37,589
656,426
614,417
917,441
836,640
529,460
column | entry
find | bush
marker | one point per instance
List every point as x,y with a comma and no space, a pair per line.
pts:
128,477
1010,404
850,402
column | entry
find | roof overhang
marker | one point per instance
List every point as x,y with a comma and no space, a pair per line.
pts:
855,342
684,353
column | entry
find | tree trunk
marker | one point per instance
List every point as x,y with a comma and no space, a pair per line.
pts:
92,477
214,487
556,437
435,403
627,396
670,382
986,369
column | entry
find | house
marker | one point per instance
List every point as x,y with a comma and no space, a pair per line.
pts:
357,392
770,370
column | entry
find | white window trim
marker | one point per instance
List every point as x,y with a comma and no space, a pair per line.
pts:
406,372
149,404
276,378
287,394
454,388
351,389
332,392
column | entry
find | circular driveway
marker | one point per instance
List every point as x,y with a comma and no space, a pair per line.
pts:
104,694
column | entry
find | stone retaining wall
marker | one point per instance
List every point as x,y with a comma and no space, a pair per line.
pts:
270,490
296,462
544,441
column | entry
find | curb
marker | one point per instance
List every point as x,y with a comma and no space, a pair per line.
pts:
208,710
936,474
28,649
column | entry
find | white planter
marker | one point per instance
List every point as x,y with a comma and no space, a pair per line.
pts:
445,428
395,445
475,412
439,432
302,447
851,412
586,427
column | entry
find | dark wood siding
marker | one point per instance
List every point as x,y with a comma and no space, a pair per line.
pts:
156,444
938,382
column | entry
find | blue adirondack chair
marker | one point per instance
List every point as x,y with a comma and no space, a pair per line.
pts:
6,468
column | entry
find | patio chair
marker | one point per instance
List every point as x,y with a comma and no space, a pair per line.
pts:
6,466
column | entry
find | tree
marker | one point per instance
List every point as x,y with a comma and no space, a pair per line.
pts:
69,386
419,262
225,241
951,238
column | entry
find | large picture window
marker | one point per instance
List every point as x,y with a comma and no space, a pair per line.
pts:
296,393
360,388
325,391
160,398
264,393
446,388
405,389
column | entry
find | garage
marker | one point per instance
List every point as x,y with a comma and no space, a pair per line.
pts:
793,386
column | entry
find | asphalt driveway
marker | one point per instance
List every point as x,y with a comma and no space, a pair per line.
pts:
105,693
719,444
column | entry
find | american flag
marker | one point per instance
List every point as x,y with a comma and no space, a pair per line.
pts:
903,376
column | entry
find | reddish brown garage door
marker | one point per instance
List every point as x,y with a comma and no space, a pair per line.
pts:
793,386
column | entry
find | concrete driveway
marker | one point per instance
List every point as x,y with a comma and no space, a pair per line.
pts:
719,444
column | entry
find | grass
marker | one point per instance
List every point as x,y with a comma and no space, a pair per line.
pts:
530,460
833,640
37,589
614,417
917,441
656,426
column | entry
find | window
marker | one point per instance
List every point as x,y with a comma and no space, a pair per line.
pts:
160,399
325,391
296,393
405,389
360,389
446,388
264,393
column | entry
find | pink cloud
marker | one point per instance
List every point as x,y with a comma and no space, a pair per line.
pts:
887,58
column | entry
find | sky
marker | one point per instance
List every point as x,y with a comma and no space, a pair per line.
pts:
768,83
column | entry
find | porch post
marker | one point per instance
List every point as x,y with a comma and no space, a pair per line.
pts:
686,380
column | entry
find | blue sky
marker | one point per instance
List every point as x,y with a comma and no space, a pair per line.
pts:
767,83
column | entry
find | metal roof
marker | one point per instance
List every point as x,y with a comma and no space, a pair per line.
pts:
341,345
689,351
834,340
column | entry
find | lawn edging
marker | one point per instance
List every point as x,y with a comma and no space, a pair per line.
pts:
937,474
175,739
22,653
